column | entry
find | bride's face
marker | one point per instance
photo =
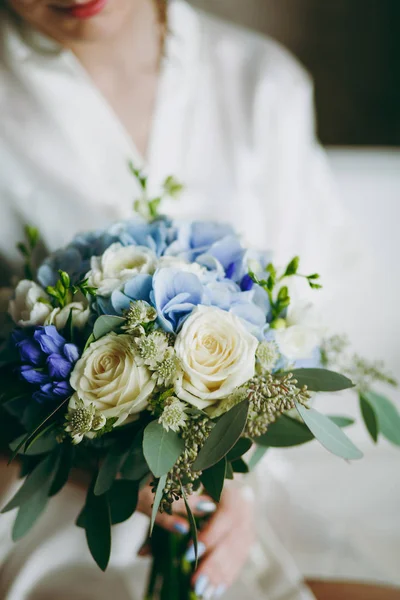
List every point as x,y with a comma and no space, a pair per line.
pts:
75,20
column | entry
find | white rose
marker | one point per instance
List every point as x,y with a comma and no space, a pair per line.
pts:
119,264
30,305
109,377
217,354
59,316
303,332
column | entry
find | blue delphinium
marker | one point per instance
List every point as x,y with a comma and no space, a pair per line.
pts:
47,361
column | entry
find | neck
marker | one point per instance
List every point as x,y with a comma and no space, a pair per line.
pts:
136,46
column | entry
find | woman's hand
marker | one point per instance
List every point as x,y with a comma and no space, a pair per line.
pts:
224,542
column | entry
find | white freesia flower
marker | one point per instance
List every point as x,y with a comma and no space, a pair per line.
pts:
60,316
109,376
217,354
303,332
30,304
119,264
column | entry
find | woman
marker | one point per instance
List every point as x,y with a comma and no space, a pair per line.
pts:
85,87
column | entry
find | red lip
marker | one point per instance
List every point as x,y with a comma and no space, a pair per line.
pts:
86,11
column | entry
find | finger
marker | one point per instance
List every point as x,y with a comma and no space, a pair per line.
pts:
199,505
220,567
173,523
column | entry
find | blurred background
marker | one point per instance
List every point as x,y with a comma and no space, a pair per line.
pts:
345,520
352,50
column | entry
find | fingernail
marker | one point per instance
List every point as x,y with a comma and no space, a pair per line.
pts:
220,591
209,593
144,550
200,585
206,506
190,554
181,527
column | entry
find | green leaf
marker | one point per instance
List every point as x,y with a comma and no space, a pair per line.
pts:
43,426
292,267
40,478
98,527
161,448
135,466
287,432
370,418
89,341
213,479
386,414
105,324
242,446
32,235
257,456
340,421
328,434
157,499
223,437
321,380
109,470
123,498
229,474
64,467
29,513
239,466
45,442
193,528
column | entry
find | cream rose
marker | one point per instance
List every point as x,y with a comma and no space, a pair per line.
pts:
59,316
119,264
109,377
30,305
217,354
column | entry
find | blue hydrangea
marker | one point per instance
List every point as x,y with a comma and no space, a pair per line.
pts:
47,361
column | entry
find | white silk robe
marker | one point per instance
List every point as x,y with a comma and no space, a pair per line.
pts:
234,123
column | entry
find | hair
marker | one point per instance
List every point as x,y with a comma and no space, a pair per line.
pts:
162,11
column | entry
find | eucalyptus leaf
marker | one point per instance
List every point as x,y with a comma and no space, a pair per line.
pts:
40,478
239,466
109,469
135,467
97,524
29,513
329,434
123,498
193,528
242,446
284,433
257,456
370,418
223,437
157,499
213,479
229,474
64,468
387,416
105,324
45,442
161,448
321,380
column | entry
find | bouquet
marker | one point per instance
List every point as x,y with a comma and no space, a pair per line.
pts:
167,353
